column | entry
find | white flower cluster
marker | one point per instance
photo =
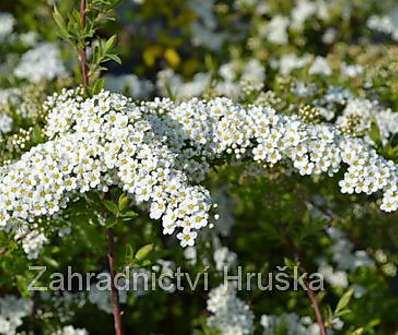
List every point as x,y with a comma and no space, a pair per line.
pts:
42,62
383,24
346,261
224,258
204,29
360,110
70,330
277,29
301,89
155,152
351,70
344,255
335,96
335,277
230,315
234,76
32,242
6,123
290,62
12,311
293,324
129,84
7,22
289,324
320,66
95,144
364,111
387,121
170,82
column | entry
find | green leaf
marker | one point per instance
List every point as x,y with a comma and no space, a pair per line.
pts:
374,133
59,20
109,43
111,207
37,135
123,202
115,58
50,261
129,252
130,214
143,252
97,86
358,331
344,301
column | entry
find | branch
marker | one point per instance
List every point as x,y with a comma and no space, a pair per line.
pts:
310,293
317,310
115,295
82,50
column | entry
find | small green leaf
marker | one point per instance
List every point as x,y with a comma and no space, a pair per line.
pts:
344,301
59,20
374,133
112,207
129,252
123,202
143,252
50,261
115,58
109,43
37,135
358,331
130,214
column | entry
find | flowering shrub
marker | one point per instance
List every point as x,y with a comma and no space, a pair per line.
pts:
204,167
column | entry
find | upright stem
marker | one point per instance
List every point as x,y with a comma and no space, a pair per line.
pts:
82,50
115,295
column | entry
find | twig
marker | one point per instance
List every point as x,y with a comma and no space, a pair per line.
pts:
310,293
115,295
317,310
82,50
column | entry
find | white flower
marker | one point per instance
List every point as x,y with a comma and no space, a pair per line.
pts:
351,70
277,30
70,330
129,84
6,123
224,258
383,24
303,10
289,62
187,238
320,66
7,22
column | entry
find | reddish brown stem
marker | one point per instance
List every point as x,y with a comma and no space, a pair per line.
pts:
311,295
317,310
114,294
82,50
